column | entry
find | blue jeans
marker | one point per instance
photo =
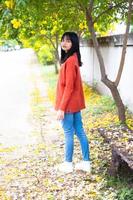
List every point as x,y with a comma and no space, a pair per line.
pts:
72,124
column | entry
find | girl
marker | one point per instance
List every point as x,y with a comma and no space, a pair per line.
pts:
69,102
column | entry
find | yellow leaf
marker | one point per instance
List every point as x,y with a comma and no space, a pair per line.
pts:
98,178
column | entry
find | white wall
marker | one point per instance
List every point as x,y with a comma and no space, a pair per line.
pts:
111,54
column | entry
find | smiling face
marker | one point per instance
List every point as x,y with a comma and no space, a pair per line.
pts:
66,44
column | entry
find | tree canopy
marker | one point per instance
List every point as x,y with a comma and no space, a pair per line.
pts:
26,19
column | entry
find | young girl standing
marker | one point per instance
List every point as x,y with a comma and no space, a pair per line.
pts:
70,101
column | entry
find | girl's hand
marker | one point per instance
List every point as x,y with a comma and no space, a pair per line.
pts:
60,114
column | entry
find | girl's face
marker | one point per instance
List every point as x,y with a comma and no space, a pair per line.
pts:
66,44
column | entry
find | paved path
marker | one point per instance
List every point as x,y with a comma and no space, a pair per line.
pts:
28,128
15,88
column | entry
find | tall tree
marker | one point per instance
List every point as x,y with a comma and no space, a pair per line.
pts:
112,85
100,14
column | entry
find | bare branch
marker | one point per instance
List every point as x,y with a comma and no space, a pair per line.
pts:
124,43
90,8
96,45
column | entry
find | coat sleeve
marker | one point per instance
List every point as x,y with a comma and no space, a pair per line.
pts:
70,76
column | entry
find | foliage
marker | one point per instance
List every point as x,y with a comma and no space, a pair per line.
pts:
45,56
36,23
49,18
45,21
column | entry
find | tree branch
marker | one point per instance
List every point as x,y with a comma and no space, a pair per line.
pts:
81,5
95,42
107,10
90,6
49,40
124,43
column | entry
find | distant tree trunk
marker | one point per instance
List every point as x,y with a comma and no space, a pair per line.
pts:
56,62
110,84
55,45
56,55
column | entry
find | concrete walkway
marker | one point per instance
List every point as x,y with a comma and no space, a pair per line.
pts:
15,88
28,128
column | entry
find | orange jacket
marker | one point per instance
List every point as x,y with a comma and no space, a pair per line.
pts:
69,93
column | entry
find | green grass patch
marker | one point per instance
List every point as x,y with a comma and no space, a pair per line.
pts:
49,76
125,194
48,73
104,104
121,184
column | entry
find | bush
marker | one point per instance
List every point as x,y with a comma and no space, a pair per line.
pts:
45,55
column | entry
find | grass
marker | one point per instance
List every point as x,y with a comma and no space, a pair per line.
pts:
124,191
125,194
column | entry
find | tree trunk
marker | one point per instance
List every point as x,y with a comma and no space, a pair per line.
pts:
111,85
56,56
119,104
55,47
56,67
117,98
56,61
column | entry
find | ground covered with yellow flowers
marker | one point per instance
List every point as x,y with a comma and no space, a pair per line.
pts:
28,173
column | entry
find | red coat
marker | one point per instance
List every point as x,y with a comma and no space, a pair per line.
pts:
69,93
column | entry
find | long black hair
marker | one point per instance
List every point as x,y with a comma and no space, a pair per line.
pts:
72,36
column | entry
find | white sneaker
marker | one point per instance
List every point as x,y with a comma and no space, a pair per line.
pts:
84,166
65,167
